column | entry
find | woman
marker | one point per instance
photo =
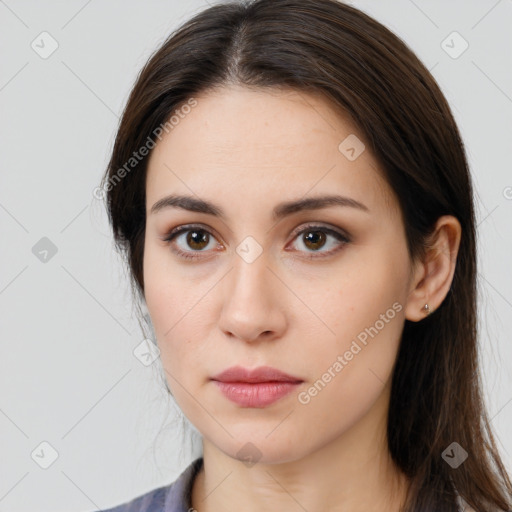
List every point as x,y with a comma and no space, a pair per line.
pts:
292,197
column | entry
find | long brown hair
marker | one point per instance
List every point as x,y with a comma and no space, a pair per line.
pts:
369,74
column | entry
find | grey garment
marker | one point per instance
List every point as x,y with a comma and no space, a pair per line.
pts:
174,497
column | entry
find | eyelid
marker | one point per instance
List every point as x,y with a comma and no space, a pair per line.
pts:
320,226
170,235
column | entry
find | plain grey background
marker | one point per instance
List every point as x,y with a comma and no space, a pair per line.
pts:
68,375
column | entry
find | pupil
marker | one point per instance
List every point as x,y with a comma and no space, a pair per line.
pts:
315,237
195,239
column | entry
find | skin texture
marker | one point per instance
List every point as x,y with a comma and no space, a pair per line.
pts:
246,151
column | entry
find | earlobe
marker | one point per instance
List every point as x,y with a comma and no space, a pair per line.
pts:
427,310
433,276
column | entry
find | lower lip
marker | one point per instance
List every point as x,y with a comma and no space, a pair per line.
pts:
259,394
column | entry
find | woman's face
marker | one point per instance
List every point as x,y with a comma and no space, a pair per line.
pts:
318,293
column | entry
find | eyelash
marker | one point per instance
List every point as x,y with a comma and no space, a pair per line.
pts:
192,255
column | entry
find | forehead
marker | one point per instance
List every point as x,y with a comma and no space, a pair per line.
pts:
263,141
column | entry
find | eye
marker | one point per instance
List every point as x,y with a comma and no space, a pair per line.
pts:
315,237
197,239
189,241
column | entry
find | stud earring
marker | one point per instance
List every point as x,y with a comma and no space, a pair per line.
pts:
426,308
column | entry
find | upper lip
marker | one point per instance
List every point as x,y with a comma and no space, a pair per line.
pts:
260,374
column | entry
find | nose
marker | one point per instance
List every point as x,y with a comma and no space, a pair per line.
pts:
253,302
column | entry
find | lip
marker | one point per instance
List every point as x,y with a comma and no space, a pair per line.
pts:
256,375
258,387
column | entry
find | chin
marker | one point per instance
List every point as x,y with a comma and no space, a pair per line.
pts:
257,446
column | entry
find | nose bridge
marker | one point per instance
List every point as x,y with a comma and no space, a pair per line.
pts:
251,303
249,279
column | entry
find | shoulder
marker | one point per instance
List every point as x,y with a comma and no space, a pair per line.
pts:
174,497
152,501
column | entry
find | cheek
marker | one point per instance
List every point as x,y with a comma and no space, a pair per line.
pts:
367,295
165,289
364,311
348,376
179,308
174,321
164,299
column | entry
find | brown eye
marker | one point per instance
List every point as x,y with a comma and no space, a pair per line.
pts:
191,242
197,239
314,240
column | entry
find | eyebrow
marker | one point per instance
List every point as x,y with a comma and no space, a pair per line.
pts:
284,209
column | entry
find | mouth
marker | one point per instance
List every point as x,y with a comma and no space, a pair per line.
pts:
256,388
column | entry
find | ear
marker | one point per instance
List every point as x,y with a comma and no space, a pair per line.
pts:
432,276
